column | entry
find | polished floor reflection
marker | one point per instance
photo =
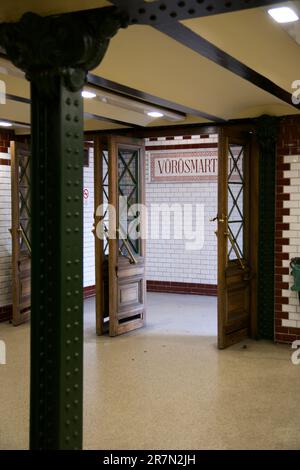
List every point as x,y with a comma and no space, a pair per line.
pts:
167,386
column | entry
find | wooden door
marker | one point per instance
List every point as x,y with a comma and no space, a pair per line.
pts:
101,199
235,270
120,259
21,231
127,283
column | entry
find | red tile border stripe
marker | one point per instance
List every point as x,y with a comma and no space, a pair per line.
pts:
182,288
209,145
4,161
89,291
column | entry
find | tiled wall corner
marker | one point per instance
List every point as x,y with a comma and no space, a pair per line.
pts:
287,233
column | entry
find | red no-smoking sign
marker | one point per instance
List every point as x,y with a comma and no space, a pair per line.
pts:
86,193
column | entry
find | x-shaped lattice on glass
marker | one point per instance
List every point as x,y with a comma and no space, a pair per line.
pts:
24,199
128,186
235,203
235,161
235,193
105,201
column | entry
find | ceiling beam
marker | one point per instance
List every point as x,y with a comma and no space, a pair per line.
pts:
164,131
166,11
137,95
97,117
124,90
193,41
86,114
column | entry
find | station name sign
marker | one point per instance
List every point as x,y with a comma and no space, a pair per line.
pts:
184,167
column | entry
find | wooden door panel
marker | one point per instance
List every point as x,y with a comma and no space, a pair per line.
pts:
101,244
120,264
130,297
234,232
21,231
129,294
237,314
127,283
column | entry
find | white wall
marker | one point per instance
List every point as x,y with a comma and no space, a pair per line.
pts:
5,237
5,224
168,260
88,212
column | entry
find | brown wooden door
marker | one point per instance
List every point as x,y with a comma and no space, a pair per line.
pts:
20,231
120,259
234,231
127,283
101,178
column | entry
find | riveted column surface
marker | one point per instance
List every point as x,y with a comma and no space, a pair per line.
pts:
57,252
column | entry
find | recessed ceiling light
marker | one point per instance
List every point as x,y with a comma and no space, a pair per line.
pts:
155,114
283,14
88,94
5,124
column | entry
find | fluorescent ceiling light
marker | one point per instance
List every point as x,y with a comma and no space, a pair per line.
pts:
88,94
155,114
283,14
5,124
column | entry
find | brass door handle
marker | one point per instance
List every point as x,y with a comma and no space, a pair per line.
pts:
221,219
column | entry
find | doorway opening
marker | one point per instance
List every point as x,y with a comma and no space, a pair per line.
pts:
181,263
178,178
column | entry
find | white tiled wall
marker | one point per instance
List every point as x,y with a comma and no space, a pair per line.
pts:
5,237
293,236
168,260
5,224
88,239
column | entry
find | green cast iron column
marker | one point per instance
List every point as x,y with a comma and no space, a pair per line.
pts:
56,54
57,300
266,135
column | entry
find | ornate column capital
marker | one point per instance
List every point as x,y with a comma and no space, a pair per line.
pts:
67,45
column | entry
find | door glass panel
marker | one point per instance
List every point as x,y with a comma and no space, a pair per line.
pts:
236,185
128,174
24,197
105,199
